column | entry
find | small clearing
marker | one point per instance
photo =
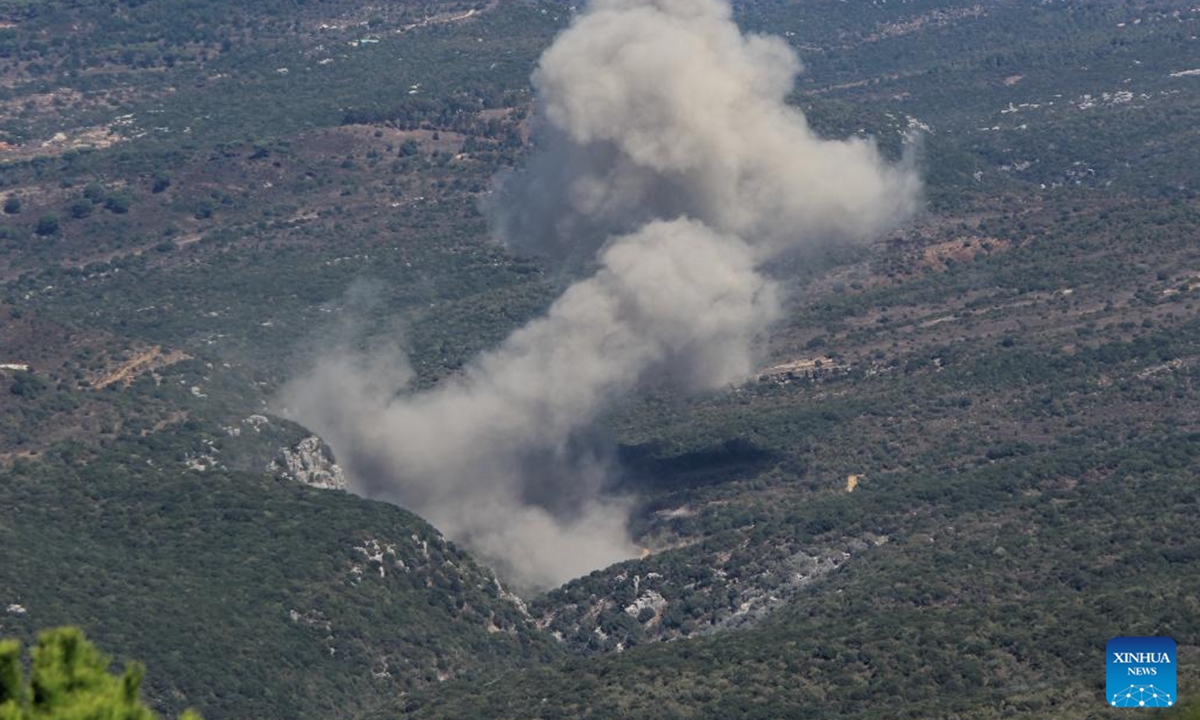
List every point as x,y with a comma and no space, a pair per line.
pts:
145,361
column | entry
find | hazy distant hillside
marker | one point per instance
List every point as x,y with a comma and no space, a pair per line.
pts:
967,460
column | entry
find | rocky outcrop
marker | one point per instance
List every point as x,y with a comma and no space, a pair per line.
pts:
688,592
311,462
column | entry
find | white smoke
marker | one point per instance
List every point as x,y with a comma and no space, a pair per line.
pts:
667,149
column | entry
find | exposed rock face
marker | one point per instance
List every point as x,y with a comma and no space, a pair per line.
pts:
689,593
309,461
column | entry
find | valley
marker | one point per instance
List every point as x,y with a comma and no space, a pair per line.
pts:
210,195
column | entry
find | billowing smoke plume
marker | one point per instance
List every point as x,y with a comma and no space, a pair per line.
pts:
666,152
662,108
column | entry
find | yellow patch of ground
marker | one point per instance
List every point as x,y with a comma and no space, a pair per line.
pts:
800,368
145,361
98,138
935,257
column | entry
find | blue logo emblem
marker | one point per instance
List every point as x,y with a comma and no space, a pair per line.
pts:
1141,672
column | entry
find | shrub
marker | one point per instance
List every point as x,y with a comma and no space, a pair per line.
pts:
117,203
94,193
81,209
47,225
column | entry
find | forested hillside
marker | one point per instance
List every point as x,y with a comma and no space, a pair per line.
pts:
966,460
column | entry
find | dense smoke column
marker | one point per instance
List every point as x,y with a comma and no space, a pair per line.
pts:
474,454
653,109
669,160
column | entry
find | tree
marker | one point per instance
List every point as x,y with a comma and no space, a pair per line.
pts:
26,384
69,681
81,209
47,225
12,205
117,203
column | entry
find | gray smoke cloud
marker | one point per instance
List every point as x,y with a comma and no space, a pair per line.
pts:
669,159
663,108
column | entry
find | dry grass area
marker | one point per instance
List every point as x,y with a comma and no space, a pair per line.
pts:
938,256
96,138
142,362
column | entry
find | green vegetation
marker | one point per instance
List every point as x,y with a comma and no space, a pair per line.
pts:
1190,711
1012,379
47,225
69,681
266,584
997,599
